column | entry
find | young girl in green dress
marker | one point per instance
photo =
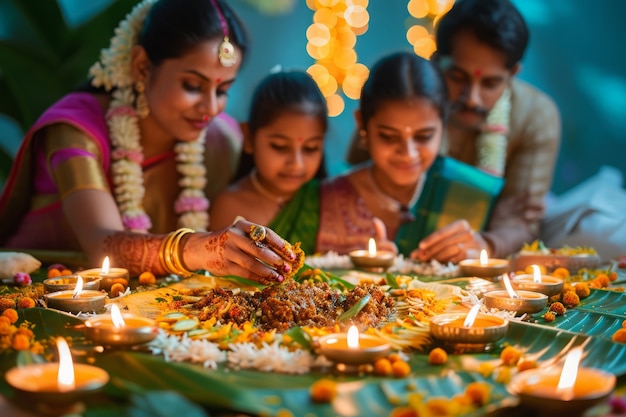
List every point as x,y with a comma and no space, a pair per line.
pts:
282,160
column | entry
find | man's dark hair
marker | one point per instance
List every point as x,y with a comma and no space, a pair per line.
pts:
496,23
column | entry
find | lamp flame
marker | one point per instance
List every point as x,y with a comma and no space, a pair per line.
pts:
507,285
65,376
353,337
371,247
536,274
116,316
78,288
484,260
471,316
569,373
106,265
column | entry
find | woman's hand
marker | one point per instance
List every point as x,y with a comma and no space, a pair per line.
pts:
452,243
243,249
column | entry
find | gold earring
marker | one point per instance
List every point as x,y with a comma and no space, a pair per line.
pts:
141,103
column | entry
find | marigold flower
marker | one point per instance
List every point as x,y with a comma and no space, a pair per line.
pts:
619,336
382,367
5,326
570,299
510,356
486,369
437,356
20,342
323,390
557,308
6,302
117,289
549,316
526,364
26,302
11,314
560,272
582,290
400,369
23,329
147,278
53,273
403,412
479,392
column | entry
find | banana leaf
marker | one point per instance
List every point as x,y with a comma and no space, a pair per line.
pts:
248,391
258,393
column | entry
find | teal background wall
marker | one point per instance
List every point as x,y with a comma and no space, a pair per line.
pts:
574,56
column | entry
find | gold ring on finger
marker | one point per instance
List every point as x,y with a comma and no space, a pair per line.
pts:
258,233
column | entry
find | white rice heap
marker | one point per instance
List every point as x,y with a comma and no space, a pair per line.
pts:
272,357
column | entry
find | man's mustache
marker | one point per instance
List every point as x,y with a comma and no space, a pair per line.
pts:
462,107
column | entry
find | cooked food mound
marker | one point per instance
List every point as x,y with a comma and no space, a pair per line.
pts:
293,304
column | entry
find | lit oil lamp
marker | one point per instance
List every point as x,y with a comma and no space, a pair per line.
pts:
545,284
353,348
108,275
117,329
484,267
56,388
471,332
68,282
521,302
372,259
76,300
563,390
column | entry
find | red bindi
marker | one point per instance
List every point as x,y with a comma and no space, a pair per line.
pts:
218,80
477,73
300,139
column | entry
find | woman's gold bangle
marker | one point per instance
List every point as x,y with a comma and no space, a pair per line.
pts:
170,253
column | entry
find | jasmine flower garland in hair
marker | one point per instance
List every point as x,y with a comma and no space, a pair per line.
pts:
113,73
492,142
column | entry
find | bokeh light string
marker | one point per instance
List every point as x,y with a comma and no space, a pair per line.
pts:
331,40
424,17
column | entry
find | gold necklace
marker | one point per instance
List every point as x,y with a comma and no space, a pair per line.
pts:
404,210
279,200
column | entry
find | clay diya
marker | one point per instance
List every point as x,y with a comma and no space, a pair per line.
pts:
483,267
76,300
372,259
68,282
55,388
468,332
538,282
520,302
353,348
568,390
108,275
117,329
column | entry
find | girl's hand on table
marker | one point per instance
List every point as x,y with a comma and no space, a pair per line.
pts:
452,243
243,249
382,243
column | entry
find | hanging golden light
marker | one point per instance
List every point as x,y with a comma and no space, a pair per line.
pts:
331,41
426,14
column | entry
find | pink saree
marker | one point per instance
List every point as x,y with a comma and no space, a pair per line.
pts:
30,180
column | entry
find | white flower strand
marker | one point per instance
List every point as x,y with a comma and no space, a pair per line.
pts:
113,72
492,142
